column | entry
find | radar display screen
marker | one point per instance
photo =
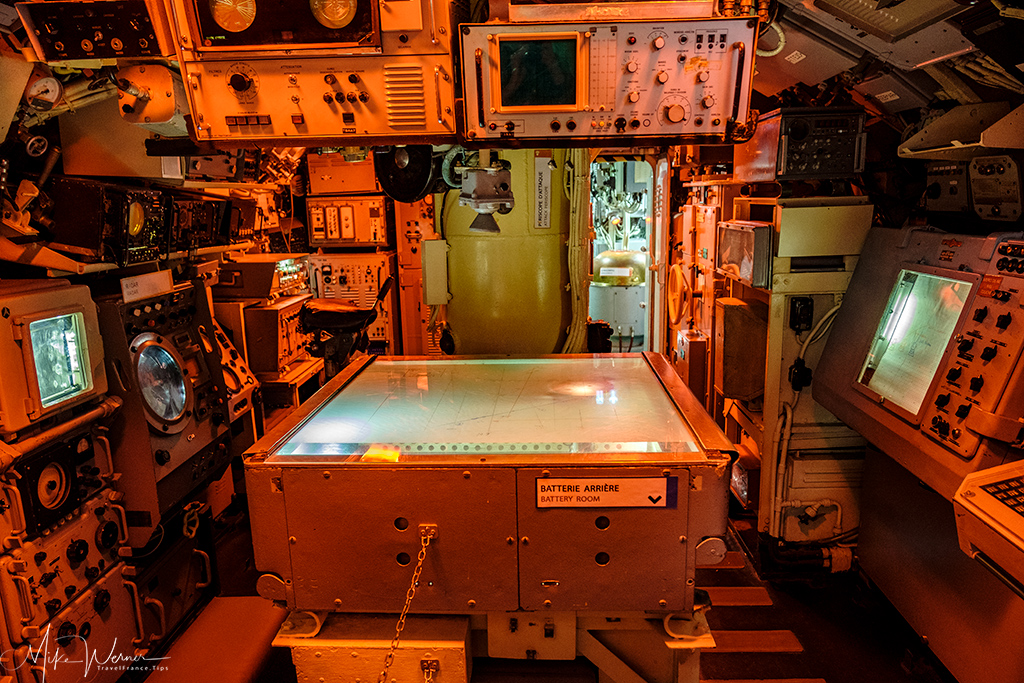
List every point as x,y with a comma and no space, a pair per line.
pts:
61,360
537,72
912,337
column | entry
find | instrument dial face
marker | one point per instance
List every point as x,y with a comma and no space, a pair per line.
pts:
43,93
233,15
674,110
333,13
243,82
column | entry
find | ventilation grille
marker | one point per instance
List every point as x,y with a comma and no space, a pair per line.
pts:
406,95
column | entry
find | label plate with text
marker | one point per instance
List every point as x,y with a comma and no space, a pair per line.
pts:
607,492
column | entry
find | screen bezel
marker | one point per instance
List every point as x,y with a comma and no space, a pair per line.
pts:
29,357
582,72
972,279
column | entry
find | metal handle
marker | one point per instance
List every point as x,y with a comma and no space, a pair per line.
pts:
742,50
161,616
108,457
24,598
433,23
437,91
479,58
138,612
122,532
17,512
1000,573
207,569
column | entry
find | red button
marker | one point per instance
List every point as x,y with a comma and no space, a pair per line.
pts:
297,119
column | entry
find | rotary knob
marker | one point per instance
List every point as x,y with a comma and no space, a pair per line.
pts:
633,97
707,101
77,551
675,113
703,76
239,82
661,78
101,601
658,42
631,67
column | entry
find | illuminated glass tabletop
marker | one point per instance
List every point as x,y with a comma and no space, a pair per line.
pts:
409,410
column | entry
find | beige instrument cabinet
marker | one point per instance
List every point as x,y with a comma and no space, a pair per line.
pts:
563,483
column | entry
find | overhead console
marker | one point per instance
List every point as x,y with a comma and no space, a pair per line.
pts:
607,79
923,359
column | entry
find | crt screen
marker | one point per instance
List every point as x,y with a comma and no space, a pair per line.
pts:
912,337
59,350
538,73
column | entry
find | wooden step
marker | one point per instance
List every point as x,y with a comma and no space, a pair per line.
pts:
755,641
738,596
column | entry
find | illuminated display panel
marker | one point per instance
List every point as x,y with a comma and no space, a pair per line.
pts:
538,72
920,318
60,355
414,410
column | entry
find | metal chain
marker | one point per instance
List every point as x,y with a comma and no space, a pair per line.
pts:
409,595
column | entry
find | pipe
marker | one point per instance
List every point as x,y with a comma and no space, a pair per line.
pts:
12,452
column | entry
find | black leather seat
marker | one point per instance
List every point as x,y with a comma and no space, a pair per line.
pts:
336,317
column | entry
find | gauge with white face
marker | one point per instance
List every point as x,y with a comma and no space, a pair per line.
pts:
333,13
233,15
44,93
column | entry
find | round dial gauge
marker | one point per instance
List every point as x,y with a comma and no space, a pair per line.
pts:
233,15
333,13
53,486
43,93
674,110
162,383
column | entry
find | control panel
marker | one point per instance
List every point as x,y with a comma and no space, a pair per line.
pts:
357,278
995,188
623,79
41,576
69,32
981,364
273,335
349,221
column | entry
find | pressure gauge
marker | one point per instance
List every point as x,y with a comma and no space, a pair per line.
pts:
43,93
333,13
233,15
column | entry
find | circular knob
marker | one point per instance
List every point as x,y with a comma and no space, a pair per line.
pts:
107,535
556,126
954,374
77,551
352,97
570,124
965,345
661,77
510,126
631,67
658,42
47,578
353,78
92,573
339,97
330,79
977,383
102,600
942,400
364,96
163,456
675,113
988,353
633,97
66,633
707,101
240,82
52,605
703,76
328,97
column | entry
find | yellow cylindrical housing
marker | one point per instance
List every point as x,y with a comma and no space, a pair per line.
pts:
509,290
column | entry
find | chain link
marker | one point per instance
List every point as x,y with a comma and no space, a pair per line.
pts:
409,595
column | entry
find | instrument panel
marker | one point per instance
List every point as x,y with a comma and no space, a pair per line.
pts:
623,79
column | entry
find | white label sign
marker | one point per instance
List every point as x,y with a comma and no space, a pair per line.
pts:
147,285
609,271
542,190
601,492
796,57
887,96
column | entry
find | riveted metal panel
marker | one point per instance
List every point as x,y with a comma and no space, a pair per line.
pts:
559,548
346,550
